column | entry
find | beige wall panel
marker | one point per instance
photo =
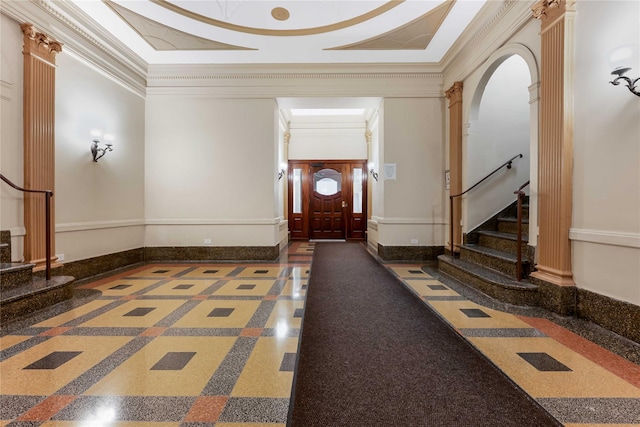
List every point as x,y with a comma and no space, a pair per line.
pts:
228,234
208,160
606,197
91,194
414,142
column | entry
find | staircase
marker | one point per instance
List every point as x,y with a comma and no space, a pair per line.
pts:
487,259
22,292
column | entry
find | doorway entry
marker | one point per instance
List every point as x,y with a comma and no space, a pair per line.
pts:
327,199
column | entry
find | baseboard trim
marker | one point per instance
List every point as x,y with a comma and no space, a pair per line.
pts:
617,316
409,253
212,253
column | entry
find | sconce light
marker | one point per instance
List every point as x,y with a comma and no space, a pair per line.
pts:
631,84
96,150
374,174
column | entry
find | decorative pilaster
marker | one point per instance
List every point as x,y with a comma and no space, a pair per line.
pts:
454,95
368,136
39,145
555,141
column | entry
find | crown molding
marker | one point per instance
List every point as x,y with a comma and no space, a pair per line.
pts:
74,29
495,25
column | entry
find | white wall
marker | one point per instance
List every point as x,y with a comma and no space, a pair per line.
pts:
413,202
99,207
210,170
498,130
11,151
328,138
606,200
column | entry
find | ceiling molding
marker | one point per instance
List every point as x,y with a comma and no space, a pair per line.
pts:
162,37
62,21
271,32
484,35
414,35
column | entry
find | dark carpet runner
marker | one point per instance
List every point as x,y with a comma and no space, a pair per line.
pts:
373,354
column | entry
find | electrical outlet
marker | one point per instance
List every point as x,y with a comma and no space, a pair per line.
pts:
207,241
60,257
414,241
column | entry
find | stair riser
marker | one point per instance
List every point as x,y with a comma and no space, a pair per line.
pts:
498,264
512,227
5,254
505,245
15,278
10,310
524,297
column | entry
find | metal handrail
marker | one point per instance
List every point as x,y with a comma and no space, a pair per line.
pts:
521,195
507,164
48,194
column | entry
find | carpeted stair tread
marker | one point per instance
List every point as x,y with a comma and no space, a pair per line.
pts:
373,354
486,274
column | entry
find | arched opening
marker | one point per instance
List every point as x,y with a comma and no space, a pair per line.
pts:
499,128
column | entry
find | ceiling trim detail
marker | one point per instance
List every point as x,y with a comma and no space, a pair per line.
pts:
414,35
163,38
270,32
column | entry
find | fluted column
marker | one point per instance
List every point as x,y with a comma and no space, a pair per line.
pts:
368,135
39,146
454,95
555,141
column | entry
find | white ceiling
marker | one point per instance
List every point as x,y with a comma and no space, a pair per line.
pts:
256,31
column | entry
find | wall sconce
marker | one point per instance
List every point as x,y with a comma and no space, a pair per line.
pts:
96,150
631,84
374,174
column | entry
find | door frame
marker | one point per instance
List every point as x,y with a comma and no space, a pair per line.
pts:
299,223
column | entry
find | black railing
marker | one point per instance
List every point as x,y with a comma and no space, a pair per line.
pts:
507,164
48,194
520,195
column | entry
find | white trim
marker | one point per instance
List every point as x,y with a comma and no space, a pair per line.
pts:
629,240
18,231
95,225
215,221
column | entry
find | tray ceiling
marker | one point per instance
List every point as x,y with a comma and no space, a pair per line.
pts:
280,32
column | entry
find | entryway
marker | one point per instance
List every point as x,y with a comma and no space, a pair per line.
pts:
327,199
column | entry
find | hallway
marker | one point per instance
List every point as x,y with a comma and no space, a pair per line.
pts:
135,354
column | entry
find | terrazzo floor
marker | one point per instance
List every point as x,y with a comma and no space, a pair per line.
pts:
202,345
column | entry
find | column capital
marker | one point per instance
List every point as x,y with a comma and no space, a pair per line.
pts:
550,10
454,93
39,44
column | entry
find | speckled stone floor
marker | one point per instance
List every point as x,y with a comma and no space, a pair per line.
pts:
200,345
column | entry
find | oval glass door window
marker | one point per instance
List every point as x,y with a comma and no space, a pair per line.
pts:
327,182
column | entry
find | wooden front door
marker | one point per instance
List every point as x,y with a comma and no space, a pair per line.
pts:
327,199
327,204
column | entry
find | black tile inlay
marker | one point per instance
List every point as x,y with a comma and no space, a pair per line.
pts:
416,272
120,287
437,287
544,362
140,311
183,287
474,312
211,271
246,287
298,312
173,361
220,312
288,362
160,271
261,272
53,360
